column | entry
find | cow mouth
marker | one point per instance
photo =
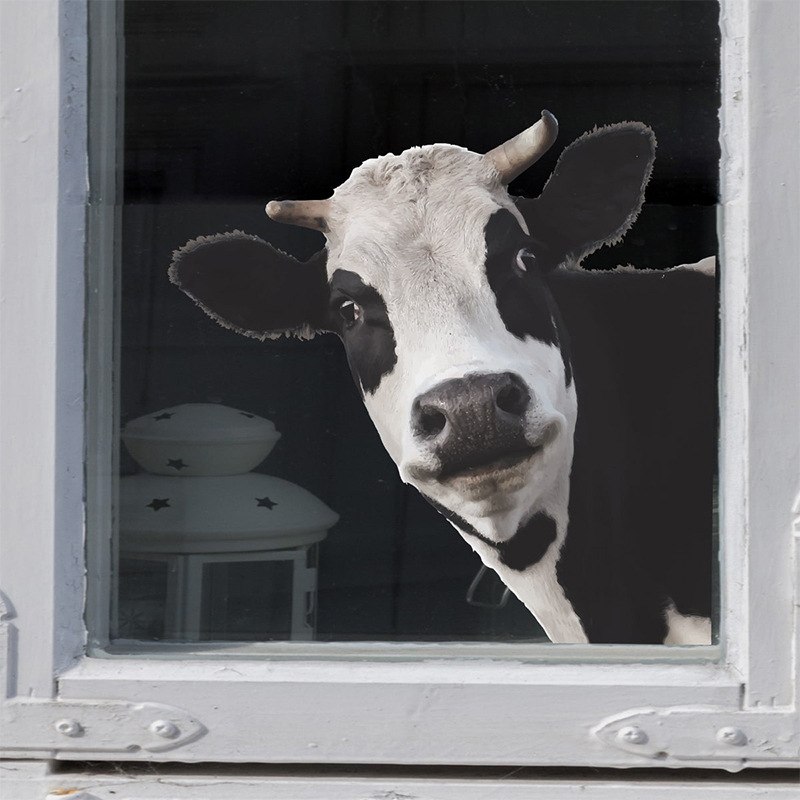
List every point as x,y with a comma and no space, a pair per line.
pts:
482,464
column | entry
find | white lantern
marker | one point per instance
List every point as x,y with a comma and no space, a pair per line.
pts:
192,521
199,439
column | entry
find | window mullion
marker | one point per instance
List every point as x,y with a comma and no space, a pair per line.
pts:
761,332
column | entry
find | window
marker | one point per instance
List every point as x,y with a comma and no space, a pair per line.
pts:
254,101
598,707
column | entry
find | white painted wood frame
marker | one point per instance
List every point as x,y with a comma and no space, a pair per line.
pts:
725,707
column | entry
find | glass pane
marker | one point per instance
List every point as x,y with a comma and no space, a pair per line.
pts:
142,599
257,501
248,600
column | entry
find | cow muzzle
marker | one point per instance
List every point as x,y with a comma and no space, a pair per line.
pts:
474,428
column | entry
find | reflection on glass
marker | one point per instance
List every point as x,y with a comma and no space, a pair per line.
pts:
249,102
197,508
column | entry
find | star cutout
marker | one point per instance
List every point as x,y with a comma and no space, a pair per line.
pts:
265,502
176,463
157,504
165,415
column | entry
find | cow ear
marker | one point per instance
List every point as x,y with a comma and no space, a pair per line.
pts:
594,194
247,285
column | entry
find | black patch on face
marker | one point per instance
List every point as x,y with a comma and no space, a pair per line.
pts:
364,329
524,300
524,549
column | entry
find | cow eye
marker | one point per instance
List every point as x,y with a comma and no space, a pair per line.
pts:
525,260
350,312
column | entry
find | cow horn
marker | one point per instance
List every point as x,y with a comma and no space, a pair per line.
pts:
513,157
306,213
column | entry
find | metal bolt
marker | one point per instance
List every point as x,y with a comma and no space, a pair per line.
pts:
165,729
69,727
632,735
733,736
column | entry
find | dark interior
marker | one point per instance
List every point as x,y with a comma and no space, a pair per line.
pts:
230,104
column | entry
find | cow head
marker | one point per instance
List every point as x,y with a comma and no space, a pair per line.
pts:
436,280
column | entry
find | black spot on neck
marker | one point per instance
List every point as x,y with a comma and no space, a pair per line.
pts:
524,549
524,301
529,544
369,341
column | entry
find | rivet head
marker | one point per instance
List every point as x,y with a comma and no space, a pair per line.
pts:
68,727
732,736
630,734
165,729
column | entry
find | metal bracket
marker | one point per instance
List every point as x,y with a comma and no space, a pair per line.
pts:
96,726
33,726
702,733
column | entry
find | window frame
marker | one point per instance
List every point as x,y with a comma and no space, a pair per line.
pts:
382,704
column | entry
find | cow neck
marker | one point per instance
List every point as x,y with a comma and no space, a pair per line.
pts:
527,562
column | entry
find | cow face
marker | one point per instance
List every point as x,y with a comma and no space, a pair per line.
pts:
452,334
436,280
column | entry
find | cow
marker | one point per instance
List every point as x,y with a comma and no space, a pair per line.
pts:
562,420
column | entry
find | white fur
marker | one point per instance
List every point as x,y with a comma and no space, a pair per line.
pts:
707,266
538,588
686,629
395,223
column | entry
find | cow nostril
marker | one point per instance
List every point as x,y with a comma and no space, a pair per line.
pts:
430,421
513,399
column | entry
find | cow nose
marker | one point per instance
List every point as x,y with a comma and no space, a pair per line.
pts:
474,404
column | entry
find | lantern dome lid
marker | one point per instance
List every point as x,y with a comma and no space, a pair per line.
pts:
231,513
200,423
